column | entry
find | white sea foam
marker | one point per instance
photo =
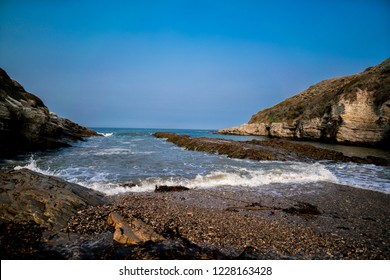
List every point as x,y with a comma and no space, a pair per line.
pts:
32,165
111,188
248,178
239,177
108,134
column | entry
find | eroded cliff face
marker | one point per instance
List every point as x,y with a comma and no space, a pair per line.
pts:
26,124
351,110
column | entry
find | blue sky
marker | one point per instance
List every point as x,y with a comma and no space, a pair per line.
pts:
184,64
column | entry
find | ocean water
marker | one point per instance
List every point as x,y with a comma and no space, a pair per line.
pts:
133,160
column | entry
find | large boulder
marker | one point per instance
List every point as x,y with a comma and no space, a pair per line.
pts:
351,110
27,196
26,124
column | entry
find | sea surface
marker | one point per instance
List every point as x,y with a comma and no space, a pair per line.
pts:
133,160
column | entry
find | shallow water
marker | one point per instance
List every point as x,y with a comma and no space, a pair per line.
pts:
125,157
350,150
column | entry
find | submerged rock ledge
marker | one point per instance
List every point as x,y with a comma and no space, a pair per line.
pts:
270,149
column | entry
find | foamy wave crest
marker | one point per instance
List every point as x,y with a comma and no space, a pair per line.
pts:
234,177
32,165
108,134
248,178
112,188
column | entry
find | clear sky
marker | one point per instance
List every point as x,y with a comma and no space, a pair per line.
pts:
184,64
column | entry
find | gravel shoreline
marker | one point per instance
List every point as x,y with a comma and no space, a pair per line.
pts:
320,221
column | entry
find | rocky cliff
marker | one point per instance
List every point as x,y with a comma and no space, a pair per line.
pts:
351,110
26,124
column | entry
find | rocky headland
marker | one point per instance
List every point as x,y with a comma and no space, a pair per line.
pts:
26,124
349,110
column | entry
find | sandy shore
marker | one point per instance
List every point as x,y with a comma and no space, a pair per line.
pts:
312,221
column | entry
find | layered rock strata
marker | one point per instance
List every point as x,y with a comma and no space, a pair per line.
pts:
26,124
350,110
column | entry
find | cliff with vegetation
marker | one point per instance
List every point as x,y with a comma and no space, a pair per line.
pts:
26,124
350,110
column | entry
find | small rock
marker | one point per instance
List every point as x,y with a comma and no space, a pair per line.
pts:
131,234
128,185
170,189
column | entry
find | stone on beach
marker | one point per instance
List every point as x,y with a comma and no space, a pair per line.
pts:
170,188
136,232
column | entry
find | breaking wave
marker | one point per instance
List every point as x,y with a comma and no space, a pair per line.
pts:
32,165
244,177
236,177
108,134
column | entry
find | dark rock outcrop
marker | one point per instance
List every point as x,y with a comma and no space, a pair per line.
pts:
271,149
350,110
27,196
26,124
170,189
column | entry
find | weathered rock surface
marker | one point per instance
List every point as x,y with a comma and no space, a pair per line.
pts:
26,124
135,232
350,110
27,196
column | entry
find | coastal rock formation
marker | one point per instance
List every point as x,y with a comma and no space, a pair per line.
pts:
27,196
351,110
26,124
270,149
